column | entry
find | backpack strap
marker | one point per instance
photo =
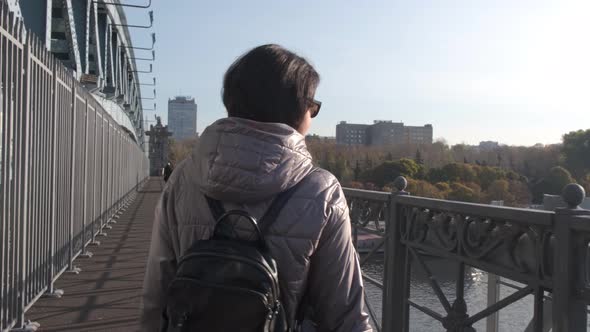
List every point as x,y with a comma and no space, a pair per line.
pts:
217,210
216,207
277,205
275,208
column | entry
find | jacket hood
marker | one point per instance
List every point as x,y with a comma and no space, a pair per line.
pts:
239,160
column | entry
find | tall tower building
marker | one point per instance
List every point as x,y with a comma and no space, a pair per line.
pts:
182,117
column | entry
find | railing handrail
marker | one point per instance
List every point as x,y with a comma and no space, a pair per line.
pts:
369,194
520,215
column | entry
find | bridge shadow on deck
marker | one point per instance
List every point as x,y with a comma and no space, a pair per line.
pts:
106,295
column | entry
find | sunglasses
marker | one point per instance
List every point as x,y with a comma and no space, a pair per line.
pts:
315,107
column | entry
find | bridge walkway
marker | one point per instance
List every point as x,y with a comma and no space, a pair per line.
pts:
106,295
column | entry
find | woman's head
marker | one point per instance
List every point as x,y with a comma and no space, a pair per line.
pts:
271,84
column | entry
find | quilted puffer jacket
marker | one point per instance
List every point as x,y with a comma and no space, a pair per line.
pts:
245,164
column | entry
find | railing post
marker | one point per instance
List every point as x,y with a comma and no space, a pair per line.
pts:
51,291
20,178
73,193
569,313
396,270
492,321
95,175
109,197
103,167
3,308
23,177
493,297
85,253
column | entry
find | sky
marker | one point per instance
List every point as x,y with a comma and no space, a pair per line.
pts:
513,71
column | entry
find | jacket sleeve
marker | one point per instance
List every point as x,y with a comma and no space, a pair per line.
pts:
160,269
335,285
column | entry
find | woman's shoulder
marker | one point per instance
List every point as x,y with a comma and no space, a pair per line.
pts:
321,185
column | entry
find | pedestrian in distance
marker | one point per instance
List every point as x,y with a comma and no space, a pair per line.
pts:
167,171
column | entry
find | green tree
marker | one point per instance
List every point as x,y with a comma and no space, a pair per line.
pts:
576,151
443,187
522,194
458,172
436,175
474,186
486,175
341,170
499,190
462,193
422,172
357,171
513,176
328,162
585,182
356,185
526,170
368,161
389,170
424,189
418,158
553,184
558,178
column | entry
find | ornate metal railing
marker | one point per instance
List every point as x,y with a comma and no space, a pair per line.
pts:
367,212
547,252
66,169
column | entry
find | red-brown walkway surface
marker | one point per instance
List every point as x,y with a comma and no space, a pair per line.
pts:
105,296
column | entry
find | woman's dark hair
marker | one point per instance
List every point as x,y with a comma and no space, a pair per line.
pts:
269,84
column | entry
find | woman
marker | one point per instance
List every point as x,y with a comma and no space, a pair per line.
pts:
244,161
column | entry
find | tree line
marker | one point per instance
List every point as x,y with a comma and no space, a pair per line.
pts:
517,175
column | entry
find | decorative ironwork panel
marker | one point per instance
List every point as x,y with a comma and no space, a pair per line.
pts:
512,248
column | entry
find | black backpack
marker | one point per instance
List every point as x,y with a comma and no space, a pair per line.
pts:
229,283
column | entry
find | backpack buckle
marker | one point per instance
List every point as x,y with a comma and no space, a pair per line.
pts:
179,321
274,310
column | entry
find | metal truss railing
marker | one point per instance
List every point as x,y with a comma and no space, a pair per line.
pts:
66,169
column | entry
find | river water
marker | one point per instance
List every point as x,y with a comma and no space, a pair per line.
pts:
515,317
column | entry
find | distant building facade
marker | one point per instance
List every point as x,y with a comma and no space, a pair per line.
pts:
182,117
418,134
382,133
352,134
159,146
488,145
